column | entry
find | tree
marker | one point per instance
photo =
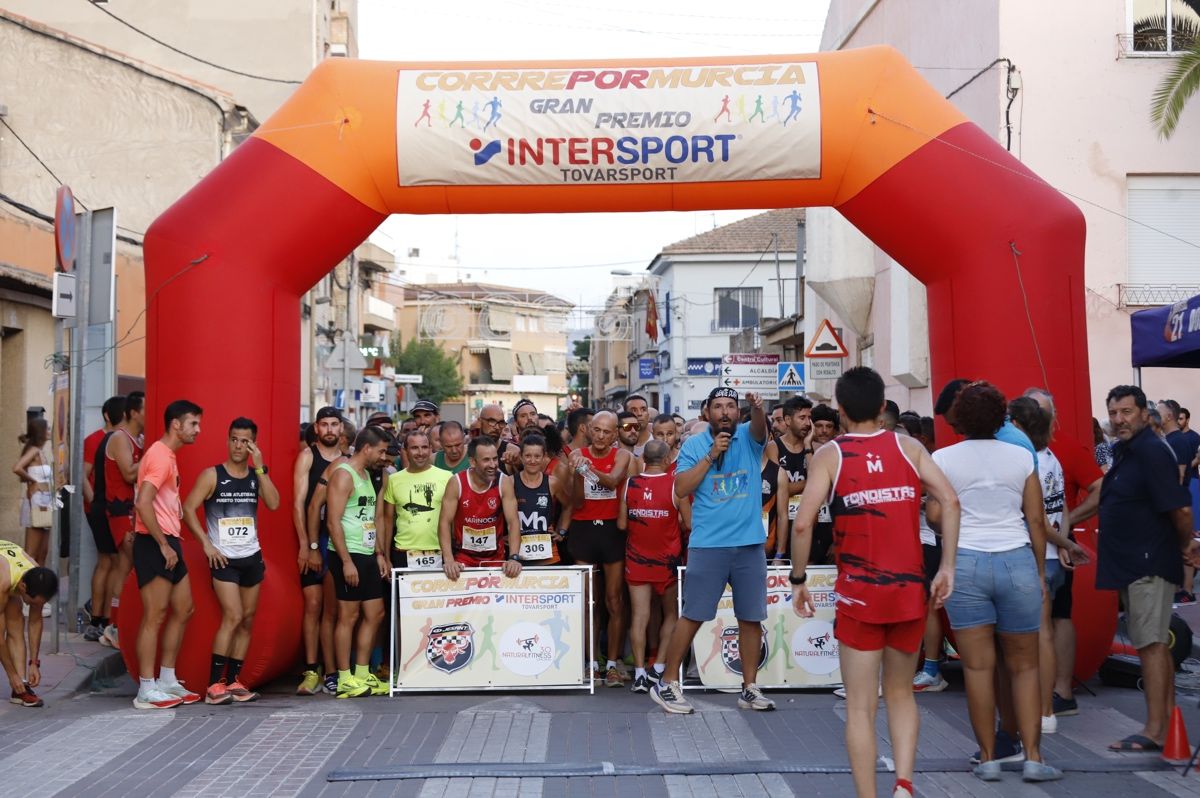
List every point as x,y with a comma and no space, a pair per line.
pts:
583,348
1183,81
442,380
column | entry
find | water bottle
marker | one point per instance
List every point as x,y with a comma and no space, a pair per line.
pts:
78,621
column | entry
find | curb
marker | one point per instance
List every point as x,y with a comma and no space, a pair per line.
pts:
83,677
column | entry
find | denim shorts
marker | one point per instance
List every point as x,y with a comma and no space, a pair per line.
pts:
1056,577
744,568
999,588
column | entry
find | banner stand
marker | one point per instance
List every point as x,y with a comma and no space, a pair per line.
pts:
485,632
796,654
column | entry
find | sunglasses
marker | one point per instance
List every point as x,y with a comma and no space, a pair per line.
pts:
628,427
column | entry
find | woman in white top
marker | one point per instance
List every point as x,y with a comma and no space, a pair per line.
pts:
36,474
999,572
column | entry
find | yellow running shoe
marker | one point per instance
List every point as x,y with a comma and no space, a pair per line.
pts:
309,684
350,687
377,687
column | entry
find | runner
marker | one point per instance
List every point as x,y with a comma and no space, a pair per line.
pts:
790,451
411,506
471,523
873,479
593,537
525,420
530,506
579,424
652,516
23,582
313,549
825,428
453,456
637,404
97,606
492,425
777,425
359,567
629,433
122,454
718,469
162,575
666,430
230,495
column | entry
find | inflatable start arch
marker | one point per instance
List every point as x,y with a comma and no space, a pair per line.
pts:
858,130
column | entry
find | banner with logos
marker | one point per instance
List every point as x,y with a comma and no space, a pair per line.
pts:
797,652
608,125
485,631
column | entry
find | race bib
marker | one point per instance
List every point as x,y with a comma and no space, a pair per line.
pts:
425,559
239,531
479,540
793,506
824,516
536,547
597,492
368,534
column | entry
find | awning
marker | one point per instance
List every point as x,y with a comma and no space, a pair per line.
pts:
1168,336
502,364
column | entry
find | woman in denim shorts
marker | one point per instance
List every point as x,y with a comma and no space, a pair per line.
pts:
999,573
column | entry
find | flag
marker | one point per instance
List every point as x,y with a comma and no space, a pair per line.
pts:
651,317
666,322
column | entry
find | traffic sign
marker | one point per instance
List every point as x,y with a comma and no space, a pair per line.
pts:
826,368
62,304
409,379
756,373
826,343
790,376
64,229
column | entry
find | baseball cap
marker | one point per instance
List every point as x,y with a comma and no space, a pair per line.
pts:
379,419
425,405
328,411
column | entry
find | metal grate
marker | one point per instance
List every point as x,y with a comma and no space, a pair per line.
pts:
1145,295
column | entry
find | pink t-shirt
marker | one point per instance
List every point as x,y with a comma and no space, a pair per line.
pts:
158,467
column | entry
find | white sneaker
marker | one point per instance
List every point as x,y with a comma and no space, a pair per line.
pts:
154,698
669,696
841,692
109,637
177,690
924,683
47,610
1049,724
753,698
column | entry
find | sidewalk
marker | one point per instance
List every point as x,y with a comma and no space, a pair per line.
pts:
79,666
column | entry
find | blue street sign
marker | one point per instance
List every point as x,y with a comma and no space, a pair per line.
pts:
791,376
703,366
647,368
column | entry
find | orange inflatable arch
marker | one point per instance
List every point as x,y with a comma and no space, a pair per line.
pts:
858,130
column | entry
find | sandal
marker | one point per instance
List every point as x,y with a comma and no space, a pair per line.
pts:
1135,743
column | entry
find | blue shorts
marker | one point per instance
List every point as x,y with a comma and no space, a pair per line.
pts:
1056,577
999,588
744,568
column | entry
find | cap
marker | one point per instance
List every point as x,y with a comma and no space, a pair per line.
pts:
722,393
426,405
379,419
328,411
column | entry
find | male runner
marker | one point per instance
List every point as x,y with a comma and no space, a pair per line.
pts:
629,432
313,549
579,423
593,537
360,566
22,581
777,425
875,479
230,495
525,420
789,451
426,414
471,528
412,505
98,605
492,425
162,575
652,516
530,506
666,430
122,454
637,405
453,456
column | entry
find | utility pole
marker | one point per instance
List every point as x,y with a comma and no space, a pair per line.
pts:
349,337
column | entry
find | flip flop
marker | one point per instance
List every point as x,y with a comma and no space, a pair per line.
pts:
1135,743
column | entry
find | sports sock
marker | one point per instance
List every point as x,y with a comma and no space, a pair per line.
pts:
167,675
235,669
217,669
639,673
101,622
931,667
343,676
906,784
361,672
610,664
145,685
312,666
660,668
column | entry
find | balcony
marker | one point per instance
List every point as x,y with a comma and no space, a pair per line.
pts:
1143,295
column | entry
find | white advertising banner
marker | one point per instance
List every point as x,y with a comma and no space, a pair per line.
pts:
608,125
485,631
797,652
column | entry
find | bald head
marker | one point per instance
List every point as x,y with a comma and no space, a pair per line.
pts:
655,453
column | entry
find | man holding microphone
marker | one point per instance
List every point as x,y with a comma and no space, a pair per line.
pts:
718,468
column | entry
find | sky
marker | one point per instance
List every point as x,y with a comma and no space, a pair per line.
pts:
571,255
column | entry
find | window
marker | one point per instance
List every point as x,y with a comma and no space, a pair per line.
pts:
1170,204
737,308
1164,26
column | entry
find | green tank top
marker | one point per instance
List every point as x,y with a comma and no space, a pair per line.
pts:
358,519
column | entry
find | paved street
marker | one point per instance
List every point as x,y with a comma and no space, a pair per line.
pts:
613,743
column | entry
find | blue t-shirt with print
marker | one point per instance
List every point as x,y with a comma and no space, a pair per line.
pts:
727,505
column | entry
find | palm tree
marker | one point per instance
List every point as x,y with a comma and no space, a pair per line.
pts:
1183,81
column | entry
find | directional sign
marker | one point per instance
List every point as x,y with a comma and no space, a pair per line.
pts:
409,379
826,343
751,372
826,368
790,376
62,304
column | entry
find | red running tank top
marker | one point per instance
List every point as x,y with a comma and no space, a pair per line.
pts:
118,494
599,503
652,522
478,533
876,505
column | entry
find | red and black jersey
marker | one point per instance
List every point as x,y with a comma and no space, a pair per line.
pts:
876,505
118,494
599,503
478,533
652,520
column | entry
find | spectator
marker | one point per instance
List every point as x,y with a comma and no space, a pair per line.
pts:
36,476
1100,446
998,574
1146,518
1168,410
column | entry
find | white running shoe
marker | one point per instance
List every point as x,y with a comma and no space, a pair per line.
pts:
109,637
924,683
669,696
1049,724
753,698
154,698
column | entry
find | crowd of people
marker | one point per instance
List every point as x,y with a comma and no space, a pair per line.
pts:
977,533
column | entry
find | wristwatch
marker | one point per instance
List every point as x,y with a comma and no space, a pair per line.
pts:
261,470
515,557
314,547
798,580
